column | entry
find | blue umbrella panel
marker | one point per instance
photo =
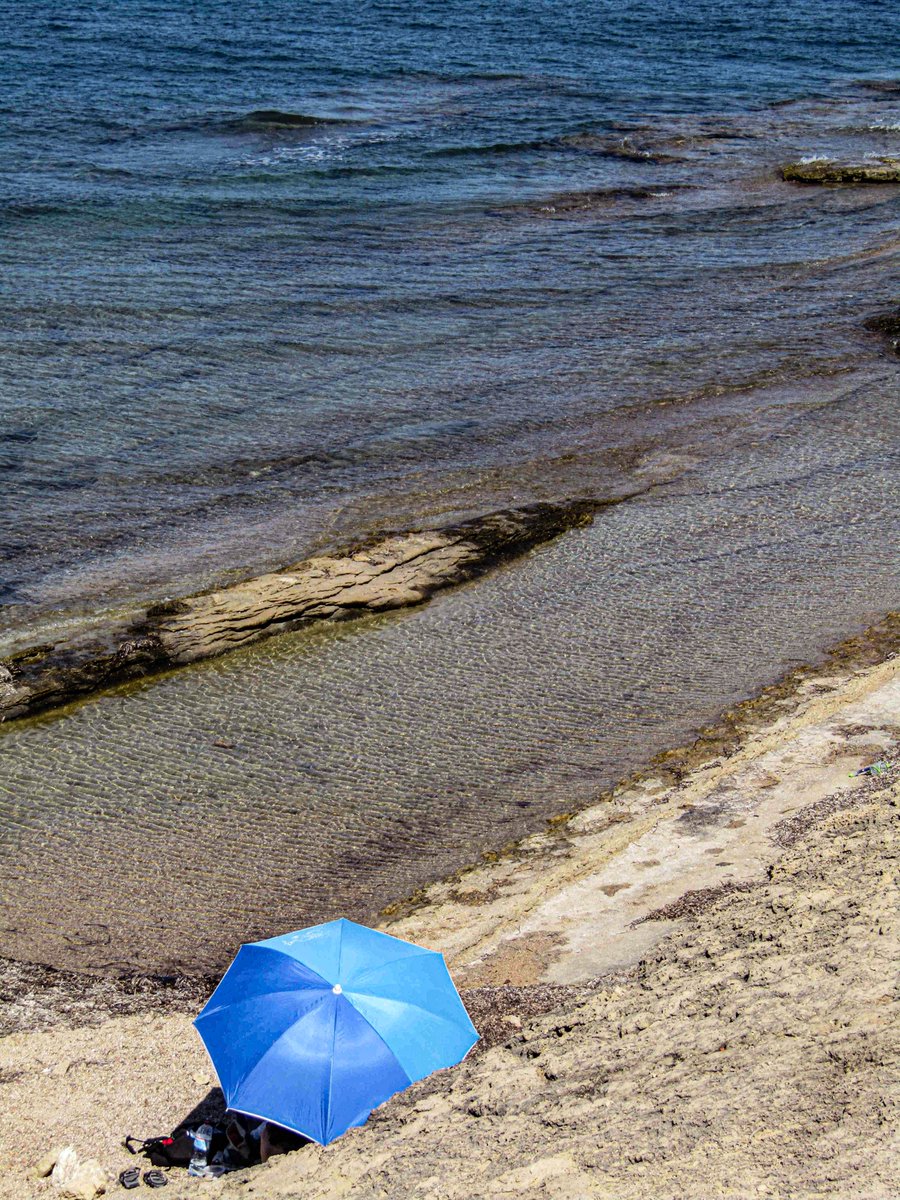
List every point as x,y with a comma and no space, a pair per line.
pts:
312,1030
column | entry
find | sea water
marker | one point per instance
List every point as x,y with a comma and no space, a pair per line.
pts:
280,275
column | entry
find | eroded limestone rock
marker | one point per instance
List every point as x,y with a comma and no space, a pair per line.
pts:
45,1164
395,572
88,1181
64,1168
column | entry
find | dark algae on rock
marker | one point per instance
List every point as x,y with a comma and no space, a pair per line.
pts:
888,325
273,118
49,676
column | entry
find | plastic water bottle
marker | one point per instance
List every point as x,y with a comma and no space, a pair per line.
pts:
202,1140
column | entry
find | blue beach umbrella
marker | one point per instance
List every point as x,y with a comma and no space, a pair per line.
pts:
314,1029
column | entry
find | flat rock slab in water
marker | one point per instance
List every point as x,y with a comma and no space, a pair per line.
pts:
395,572
826,171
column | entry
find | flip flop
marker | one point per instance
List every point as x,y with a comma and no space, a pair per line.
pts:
155,1179
130,1178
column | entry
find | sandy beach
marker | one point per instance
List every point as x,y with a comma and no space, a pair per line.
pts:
685,989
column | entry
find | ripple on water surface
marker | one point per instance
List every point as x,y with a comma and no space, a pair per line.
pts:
354,763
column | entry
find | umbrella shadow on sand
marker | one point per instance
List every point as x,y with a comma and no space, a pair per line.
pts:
208,1111
232,1142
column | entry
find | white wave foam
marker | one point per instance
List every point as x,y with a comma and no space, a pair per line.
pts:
372,139
327,147
310,152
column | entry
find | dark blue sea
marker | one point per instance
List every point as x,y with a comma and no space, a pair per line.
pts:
279,274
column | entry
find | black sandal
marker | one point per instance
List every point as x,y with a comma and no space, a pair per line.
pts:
155,1179
130,1178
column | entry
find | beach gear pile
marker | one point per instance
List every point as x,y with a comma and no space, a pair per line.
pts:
882,767
207,1151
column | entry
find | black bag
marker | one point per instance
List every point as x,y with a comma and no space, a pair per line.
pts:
176,1150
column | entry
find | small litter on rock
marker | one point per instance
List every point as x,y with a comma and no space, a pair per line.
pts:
876,768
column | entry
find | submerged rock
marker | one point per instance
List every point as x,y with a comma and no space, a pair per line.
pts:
886,323
619,148
829,172
885,87
49,676
584,203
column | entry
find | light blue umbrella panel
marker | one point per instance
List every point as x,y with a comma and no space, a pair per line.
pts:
314,1029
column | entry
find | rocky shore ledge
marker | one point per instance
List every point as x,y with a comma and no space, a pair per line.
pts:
394,571
828,172
685,990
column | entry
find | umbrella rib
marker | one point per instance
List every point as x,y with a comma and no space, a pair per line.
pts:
340,962
388,962
256,999
327,1124
429,1012
456,1026
245,1075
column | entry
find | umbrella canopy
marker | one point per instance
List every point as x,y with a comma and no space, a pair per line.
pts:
314,1029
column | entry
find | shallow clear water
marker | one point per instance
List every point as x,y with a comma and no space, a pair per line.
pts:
226,341
369,758
522,251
